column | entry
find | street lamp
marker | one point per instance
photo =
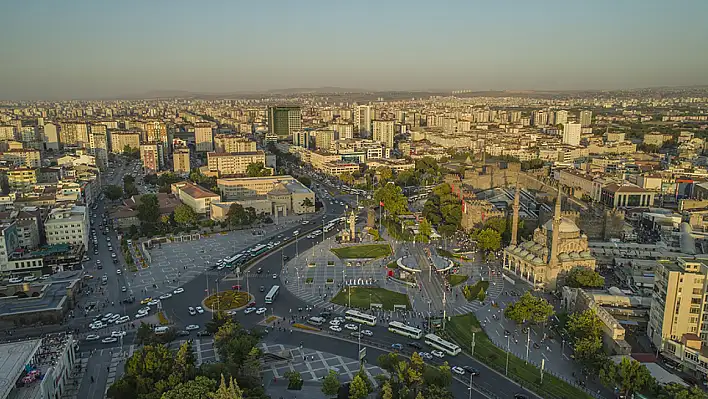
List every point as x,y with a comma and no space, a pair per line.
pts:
506,370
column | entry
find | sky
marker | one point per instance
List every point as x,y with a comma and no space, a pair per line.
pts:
76,49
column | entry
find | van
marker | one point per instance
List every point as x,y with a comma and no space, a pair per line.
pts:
104,280
161,330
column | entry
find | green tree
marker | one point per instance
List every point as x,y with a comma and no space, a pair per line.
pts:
589,352
357,388
257,169
419,396
395,203
529,309
629,376
200,387
232,391
497,224
294,379
424,231
583,325
184,214
406,178
131,152
347,178
365,378
385,174
219,319
239,216
677,391
330,384
129,185
488,240
185,363
386,391
305,180
582,277
113,192
149,214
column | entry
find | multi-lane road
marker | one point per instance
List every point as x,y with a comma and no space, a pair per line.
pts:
489,382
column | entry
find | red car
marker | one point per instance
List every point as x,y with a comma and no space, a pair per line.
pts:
253,303
236,287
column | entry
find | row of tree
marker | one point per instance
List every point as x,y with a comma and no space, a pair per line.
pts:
443,209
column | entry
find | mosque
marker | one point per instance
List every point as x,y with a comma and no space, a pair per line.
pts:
557,247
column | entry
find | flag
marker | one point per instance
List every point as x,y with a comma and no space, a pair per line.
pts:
381,203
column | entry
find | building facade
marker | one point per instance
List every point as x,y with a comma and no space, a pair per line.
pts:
233,143
226,164
68,225
180,160
383,132
204,137
119,140
283,121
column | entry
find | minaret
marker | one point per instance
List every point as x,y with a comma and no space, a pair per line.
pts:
553,261
515,217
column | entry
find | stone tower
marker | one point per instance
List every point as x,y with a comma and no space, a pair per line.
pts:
515,217
557,218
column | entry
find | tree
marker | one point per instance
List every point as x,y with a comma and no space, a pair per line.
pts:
184,214
589,352
629,376
424,231
347,178
129,185
497,224
220,318
330,384
305,180
385,174
365,378
488,240
257,169
294,379
529,309
232,391
394,202
113,192
386,391
131,152
239,216
149,213
581,277
583,325
200,387
677,391
357,388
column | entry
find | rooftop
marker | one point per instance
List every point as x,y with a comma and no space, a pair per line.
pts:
194,191
13,358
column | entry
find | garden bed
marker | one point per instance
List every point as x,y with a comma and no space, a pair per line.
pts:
228,300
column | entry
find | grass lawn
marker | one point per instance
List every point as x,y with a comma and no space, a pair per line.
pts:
392,265
448,254
472,293
369,251
460,329
227,300
456,279
360,298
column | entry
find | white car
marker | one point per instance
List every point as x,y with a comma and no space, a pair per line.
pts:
200,310
368,333
192,312
154,302
178,290
458,370
425,355
165,296
296,232
275,276
109,340
122,320
192,327
118,272
145,310
92,337
123,289
335,328
140,315
334,322
118,334
351,326
261,310
438,354
15,280
30,279
97,325
249,310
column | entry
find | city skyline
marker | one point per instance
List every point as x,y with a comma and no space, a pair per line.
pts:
84,50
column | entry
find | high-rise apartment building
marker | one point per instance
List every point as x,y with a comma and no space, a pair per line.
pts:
68,225
585,118
383,132
25,157
284,121
119,140
301,138
324,139
560,117
539,118
50,137
180,160
151,157
74,134
363,115
204,137
156,132
7,132
571,134
231,164
233,143
344,130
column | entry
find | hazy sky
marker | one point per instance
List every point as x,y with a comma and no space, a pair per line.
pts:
95,48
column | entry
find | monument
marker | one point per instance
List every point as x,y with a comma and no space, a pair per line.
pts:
371,218
349,235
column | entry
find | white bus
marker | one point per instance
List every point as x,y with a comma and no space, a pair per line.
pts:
272,294
439,343
234,260
403,329
316,321
359,317
258,249
328,227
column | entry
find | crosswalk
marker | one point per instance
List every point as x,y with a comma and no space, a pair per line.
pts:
496,287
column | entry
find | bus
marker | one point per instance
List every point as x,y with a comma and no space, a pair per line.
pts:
234,260
258,249
440,344
403,329
272,294
316,321
359,317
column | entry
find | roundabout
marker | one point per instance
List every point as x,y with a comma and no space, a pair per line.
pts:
227,300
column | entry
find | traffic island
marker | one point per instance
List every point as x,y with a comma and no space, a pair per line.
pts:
363,297
465,329
456,279
227,300
476,292
367,251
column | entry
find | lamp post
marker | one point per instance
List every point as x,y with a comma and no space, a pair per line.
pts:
506,370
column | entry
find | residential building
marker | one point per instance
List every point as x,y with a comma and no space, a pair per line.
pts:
324,139
194,196
25,157
50,137
626,196
571,134
283,121
9,241
74,134
68,225
560,117
99,145
585,118
156,132
180,160
301,138
151,157
343,130
120,140
396,165
204,137
383,132
22,177
8,132
233,143
226,164
337,168
656,139
363,115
